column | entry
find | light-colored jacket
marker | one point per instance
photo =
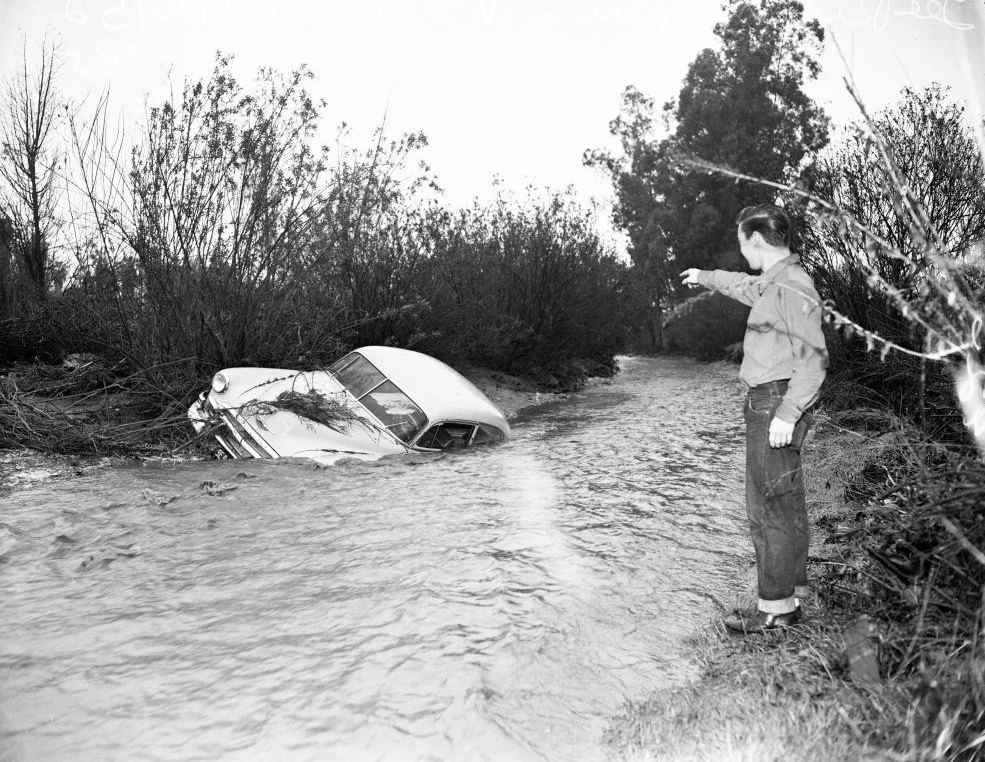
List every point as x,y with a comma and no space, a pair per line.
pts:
783,333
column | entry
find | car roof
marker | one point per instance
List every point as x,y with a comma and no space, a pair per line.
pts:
440,391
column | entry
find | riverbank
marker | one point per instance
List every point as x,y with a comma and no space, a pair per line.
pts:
511,394
864,676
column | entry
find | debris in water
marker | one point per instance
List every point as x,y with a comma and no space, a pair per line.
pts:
216,488
158,498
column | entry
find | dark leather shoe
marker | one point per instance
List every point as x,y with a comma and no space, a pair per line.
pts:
749,624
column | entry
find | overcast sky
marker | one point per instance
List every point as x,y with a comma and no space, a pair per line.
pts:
510,88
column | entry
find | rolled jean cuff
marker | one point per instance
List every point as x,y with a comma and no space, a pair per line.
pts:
781,606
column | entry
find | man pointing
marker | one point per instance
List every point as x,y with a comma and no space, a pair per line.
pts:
783,365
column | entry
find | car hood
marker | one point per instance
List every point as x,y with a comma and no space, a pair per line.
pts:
286,429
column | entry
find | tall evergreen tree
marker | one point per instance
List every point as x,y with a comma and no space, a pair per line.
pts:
743,105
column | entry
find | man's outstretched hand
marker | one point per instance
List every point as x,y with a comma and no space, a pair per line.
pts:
690,276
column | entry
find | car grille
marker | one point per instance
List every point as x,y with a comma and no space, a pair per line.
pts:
234,438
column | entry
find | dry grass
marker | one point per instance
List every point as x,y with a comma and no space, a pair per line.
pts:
786,695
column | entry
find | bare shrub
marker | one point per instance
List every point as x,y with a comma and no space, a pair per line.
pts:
207,217
29,191
917,214
371,234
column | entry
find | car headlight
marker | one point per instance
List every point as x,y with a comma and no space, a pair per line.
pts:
219,383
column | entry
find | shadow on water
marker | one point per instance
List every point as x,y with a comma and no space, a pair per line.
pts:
492,604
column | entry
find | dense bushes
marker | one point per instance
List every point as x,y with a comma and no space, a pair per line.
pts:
705,325
194,251
525,286
226,238
522,285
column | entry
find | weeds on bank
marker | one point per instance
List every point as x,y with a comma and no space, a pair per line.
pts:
784,695
925,585
89,411
898,530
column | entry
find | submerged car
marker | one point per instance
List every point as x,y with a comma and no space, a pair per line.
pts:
374,401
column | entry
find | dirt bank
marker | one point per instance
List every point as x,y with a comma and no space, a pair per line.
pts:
510,393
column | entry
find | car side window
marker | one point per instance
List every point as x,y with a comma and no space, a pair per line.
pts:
447,436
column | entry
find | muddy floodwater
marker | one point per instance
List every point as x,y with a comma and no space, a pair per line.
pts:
495,604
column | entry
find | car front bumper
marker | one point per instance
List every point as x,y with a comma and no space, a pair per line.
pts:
231,434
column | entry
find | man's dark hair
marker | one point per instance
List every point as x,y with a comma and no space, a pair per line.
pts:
769,220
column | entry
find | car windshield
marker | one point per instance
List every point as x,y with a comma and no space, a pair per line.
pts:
381,397
395,410
357,374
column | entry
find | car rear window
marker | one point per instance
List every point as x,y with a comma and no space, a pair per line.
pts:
488,435
447,435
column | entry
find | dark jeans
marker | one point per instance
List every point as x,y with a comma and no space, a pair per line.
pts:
775,501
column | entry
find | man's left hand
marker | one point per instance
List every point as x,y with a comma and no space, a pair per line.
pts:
781,432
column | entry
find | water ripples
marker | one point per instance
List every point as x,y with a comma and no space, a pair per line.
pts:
493,604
